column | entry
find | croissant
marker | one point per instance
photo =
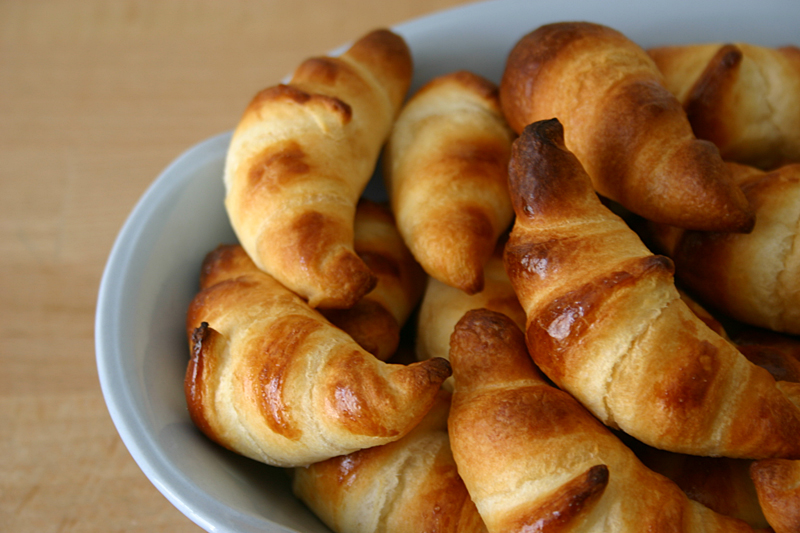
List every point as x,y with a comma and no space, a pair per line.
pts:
300,158
744,98
442,306
375,320
628,131
445,168
271,379
408,485
777,353
606,323
755,277
533,459
777,483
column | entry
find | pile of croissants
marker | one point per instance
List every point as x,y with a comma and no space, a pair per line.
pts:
578,310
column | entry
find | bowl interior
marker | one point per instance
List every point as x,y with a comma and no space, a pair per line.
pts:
152,272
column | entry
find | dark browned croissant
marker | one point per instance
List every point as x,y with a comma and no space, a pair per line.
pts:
445,169
410,485
742,97
755,277
300,158
606,323
270,378
374,322
629,132
533,459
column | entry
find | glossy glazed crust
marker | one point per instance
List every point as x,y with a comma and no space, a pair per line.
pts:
445,169
408,485
272,379
755,277
744,98
629,132
606,323
533,459
778,484
375,320
300,159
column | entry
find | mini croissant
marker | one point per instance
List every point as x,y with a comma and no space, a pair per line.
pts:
533,459
271,379
300,158
628,131
410,485
742,97
606,323
754,277
445,169
375,320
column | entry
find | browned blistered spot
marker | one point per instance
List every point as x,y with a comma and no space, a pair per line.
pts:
568,503
559,326
690,381
322,70
291,94
284,343
200,366
315,232
277,165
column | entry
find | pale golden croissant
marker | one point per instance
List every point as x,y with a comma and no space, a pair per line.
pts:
533,459
754,277
629,132
375,320
300,158
445,168
442,307
777,483
606,323
744,98
270,378
410,485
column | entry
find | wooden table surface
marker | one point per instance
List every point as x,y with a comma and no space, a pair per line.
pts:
96,98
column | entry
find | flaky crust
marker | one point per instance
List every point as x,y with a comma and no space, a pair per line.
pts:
533,459
445,171
300,158
606,323
375,320
443,306
754,277
742,97
629,132
271,379
408,485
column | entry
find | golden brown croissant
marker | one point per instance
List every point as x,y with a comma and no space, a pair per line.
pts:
374,322
533,459
606,323
629,132
777,482
442,307
300,159
271,379
410,485
744,98
754,277
445,168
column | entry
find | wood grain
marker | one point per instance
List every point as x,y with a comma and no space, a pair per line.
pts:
96,98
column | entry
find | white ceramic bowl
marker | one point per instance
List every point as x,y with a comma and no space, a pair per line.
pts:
152,272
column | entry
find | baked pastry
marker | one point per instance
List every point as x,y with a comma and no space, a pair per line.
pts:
270,378
300,158
375,321
779,354
627,130
445,168
606,323
777,483
442,306
755,277
533,459
408,485
742,97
